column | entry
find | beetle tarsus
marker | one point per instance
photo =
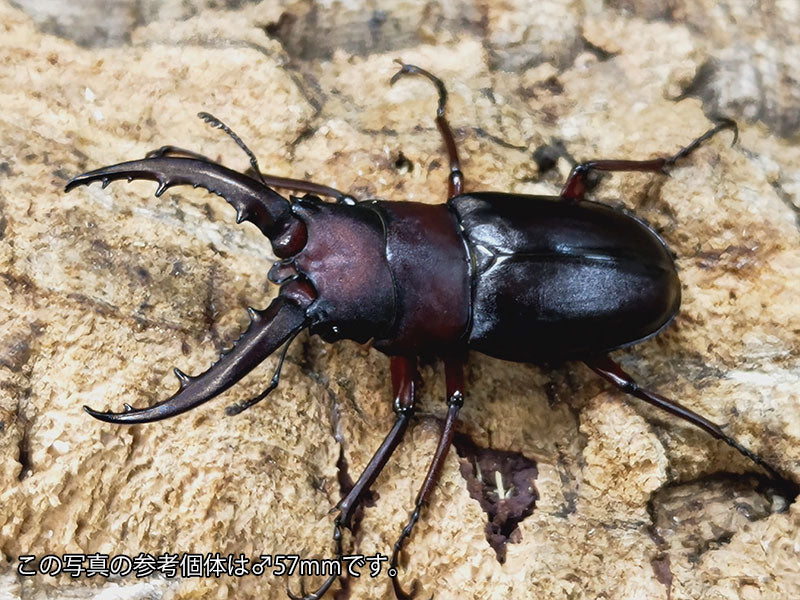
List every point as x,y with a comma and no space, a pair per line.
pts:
722,125
316,594
407,69
325,586
400,593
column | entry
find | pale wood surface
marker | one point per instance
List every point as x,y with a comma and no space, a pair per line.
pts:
104,291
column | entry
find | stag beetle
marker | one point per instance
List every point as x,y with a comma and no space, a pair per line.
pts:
521,278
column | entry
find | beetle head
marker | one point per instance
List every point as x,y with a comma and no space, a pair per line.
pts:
344,258
332,270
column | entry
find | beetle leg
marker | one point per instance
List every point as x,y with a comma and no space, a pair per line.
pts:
611,371
456,177
165,151
405,379
454,378
271,180
575,187
235,409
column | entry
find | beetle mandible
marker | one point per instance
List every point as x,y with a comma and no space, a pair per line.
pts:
521,278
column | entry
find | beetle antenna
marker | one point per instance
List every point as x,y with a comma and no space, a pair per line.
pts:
215,122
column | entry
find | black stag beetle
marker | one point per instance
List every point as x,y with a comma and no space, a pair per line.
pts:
521,278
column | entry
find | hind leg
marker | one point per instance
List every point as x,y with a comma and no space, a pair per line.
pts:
612,372
575,187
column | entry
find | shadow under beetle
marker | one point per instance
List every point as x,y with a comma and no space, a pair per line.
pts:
521,278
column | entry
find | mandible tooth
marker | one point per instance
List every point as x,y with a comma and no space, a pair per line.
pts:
182,377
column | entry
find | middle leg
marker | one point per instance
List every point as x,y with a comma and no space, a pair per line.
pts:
405,380
456,177
454,383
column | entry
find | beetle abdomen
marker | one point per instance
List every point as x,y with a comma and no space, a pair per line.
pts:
557,280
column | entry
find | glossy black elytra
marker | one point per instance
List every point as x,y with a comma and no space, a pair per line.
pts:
522,278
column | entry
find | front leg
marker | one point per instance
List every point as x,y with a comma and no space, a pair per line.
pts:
455,181
269,180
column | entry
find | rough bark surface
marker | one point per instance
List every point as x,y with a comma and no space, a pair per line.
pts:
102,292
